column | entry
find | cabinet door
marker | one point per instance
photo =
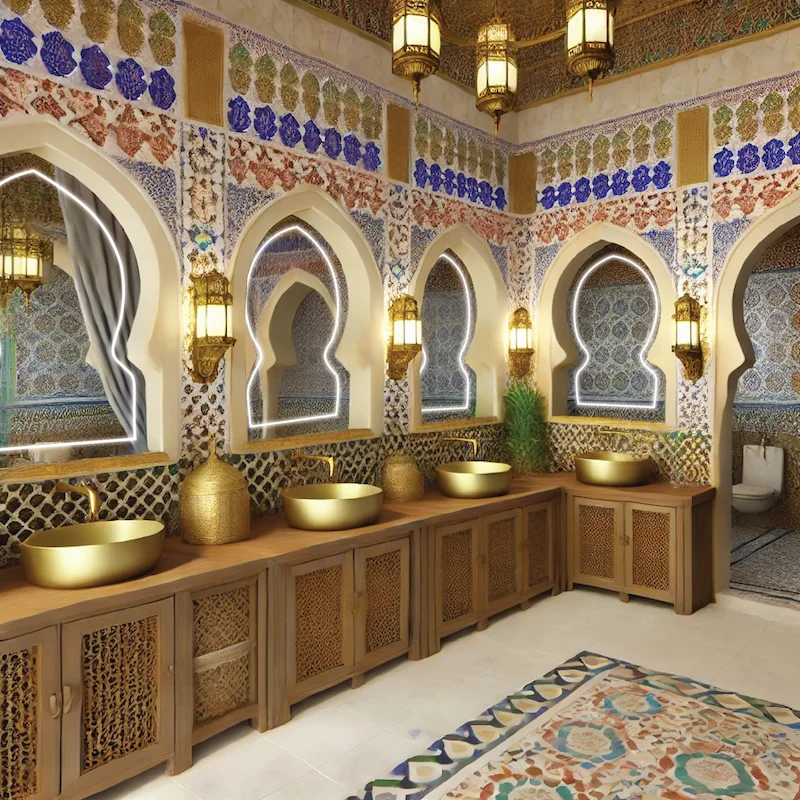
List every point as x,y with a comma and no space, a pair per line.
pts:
382,582
537,549
502,574
319,625
117,674
30,710
457,576
596,539
650,550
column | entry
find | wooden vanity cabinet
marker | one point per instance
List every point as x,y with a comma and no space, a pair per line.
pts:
539,548
501,561
597,543
30,716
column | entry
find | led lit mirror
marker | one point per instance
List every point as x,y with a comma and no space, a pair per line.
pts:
614,315
447,382
297,305
69,293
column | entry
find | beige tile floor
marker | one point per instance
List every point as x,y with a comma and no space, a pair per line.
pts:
339,740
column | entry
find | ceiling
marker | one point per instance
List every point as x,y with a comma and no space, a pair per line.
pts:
647,31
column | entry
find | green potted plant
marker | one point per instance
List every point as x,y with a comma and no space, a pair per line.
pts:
525,428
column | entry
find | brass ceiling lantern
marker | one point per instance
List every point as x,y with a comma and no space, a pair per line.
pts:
496,68
590,39
416,40
687,347
405,341
213,316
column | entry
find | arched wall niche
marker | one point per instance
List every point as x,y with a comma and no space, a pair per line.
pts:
486,353
733,355
154,345
556,348
360,348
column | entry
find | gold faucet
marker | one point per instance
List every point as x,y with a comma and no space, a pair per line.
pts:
324,459
473,442
85,490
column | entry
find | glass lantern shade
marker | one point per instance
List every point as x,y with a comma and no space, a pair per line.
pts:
416,40
213,318
590,39
520,332
687,347
406,335
21,260
496,69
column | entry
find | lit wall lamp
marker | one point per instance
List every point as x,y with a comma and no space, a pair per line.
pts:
406,335
687,337
213,317
21,257
520,343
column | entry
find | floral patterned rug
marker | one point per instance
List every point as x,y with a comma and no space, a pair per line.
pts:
599,729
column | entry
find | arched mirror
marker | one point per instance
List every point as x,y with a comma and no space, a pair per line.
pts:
614,316
447,382
69,294
297,304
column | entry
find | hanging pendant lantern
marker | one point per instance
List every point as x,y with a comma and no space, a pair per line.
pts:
590,39
496,68
416,40
21,258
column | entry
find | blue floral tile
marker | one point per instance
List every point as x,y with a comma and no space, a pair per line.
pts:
130,79
564,194
601,186
162,89
641,178
449,181
620,183
57,53
16,41
583,190
794,149
500,198
461,185
264,122
372,157
239,114
485,193
774,154
352,149
332,143
289,130
723,163
312,140
548,198
748,159
95,67
661,175
436,177
472,189
421,173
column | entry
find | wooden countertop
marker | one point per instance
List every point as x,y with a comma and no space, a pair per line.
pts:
25,608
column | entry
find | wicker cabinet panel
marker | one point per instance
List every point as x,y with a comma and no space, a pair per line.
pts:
118,692
650,558
29,709
382,601
538,548
320,607
597,541
503,563
457,568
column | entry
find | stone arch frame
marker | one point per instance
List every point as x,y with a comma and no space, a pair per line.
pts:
361,344
486,353
154,345
555,347
734,358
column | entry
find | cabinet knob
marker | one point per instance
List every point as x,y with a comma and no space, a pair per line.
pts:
55,706
171,670
68,698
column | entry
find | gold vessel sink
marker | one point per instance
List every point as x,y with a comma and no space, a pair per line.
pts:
332,506
92,554
473,479
605,468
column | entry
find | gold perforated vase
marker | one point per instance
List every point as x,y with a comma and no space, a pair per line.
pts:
402,480
215,504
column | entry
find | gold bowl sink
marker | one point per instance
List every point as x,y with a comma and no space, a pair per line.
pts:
332,506
604,468
473,479
92,554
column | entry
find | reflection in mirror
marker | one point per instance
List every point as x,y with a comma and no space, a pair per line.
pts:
296,314
614,315
447,382
67,387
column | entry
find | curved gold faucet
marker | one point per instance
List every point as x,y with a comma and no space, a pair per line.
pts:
473,442
85,490
323,459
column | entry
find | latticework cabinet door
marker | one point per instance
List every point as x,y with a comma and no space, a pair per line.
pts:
596,543
30,709
650,550
118,686
382,583
457,576
502,560
537,549
319,627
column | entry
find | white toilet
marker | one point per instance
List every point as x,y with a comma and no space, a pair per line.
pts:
762,479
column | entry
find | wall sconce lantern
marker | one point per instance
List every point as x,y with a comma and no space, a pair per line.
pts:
416,40
406,335
213,317
21,257
687,346
520,343
590,39
496,69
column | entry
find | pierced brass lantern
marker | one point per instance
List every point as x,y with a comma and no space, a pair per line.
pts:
21,257
687,346
520,343
416,40
406,335
496,68
213,316
590,39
